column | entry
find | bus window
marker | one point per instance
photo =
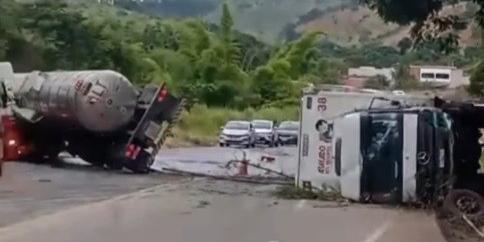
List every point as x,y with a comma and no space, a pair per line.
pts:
442,76
428,75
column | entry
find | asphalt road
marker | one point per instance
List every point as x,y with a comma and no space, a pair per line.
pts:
184,213
77,204
28,190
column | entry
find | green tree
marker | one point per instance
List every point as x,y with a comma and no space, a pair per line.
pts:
8,30
404,45
403,80
377,82
477,80
428,24
227,23
271,85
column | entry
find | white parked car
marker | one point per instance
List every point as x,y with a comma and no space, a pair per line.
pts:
398,93
238,133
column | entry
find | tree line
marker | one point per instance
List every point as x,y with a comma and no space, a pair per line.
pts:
212,64
207,63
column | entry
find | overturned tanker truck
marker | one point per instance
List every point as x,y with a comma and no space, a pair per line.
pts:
96,115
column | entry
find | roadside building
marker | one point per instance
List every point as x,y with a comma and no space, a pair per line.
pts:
357,77
439,76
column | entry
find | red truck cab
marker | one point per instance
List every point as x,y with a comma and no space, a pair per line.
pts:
14,145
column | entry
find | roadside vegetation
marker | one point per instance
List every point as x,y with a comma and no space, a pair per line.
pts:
223,73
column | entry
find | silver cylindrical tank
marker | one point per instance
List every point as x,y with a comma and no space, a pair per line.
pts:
100,101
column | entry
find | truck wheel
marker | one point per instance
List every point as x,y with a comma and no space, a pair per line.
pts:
138,168
45,152
114,165
92,158
44,158
141,165
466,202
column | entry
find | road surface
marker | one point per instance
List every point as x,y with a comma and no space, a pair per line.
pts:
77,204
177,213
212,160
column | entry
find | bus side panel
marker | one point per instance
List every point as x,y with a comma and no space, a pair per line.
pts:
316,145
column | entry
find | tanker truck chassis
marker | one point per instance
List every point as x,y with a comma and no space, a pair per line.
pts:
98,116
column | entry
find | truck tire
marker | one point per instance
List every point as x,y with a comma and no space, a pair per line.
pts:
45,155
115,165
141,165
461,201
92,157
44,146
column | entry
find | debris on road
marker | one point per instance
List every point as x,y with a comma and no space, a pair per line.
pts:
248,179
202,204
292,192
254,166
473,226
244,163
462,216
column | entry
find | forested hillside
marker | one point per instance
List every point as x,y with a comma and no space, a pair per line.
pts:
275,21
355,24
266,19
209,63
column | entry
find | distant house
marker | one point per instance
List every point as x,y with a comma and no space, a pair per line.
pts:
439,76
355,81
357,77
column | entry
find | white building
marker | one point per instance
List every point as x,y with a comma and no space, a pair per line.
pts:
440,76
370,71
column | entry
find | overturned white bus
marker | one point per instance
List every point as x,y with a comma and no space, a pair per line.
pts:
384,148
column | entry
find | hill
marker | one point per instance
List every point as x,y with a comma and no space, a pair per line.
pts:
265,19
353,25
275,21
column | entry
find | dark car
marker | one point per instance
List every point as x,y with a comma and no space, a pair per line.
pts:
287,133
